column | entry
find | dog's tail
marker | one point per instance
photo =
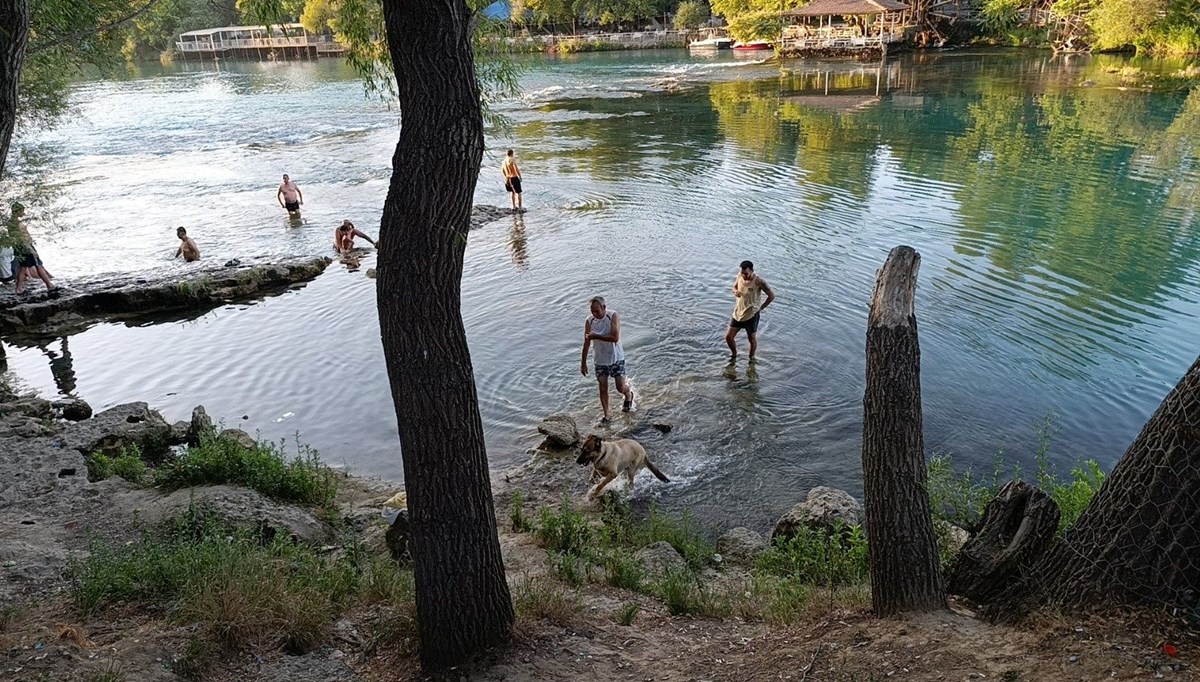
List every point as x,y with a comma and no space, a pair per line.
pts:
654,470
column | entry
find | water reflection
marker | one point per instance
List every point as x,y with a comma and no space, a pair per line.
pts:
517,244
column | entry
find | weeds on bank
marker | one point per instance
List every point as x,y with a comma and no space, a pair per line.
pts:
959,497
128,465
234,588
543,599
264,468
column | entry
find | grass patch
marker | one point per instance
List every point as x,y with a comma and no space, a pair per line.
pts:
543,599
264,468
111,672
627,613
816,558
516,514
236,591
128,465
565,530
624,570
683,533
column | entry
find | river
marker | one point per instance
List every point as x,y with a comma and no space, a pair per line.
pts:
1055,211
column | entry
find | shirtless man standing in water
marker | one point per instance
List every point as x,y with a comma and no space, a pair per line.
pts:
290,197
512,181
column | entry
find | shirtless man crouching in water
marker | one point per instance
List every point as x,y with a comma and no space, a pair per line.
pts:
187,246
290,197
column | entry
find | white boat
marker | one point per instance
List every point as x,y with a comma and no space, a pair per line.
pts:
713,42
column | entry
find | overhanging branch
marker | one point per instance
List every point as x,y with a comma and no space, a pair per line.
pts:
71,37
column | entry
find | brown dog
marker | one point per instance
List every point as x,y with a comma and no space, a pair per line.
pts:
611,459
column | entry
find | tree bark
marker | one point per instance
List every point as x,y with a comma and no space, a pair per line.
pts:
463,602
14,37
1138,541
1018,527
905,567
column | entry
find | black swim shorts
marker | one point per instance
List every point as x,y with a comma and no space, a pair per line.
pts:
292,205
513,184
750,325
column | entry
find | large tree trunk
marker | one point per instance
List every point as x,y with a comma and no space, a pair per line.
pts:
906,573
1138,542
14,35
463,603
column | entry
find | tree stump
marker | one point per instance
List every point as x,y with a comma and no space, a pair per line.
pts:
1018,526
906,570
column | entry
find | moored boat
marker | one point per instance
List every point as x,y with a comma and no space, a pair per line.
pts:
711,43
753,45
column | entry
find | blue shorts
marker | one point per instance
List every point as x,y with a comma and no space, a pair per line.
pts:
615,370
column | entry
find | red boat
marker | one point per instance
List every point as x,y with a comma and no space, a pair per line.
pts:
753,45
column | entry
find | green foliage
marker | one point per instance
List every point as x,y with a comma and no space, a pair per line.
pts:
624,570
128,465
516,514
684,594
542,599
682,533
627,613
754,19
155,32
263,468
565,530
233,589
815,558
691,14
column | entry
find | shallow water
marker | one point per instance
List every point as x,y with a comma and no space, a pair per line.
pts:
1056,219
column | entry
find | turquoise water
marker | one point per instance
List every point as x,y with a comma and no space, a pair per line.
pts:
1055,209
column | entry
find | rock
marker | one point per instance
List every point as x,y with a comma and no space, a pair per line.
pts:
371,273
239,505
179,432
663,427
825,509
29,407
232,263
660,557
397,538
120,427
560,431
238,437
952,535
74,409
740,546
201,425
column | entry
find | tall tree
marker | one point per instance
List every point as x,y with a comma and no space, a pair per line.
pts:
463,602
1138,541
906,570
14,27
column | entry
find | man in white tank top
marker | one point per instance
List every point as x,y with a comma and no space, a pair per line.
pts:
602,331
747,288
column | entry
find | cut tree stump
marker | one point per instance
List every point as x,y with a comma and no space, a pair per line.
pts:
1018,526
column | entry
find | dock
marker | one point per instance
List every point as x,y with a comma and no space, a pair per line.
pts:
860,28
286,41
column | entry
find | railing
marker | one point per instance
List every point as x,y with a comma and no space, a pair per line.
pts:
838,40
258,43
632,39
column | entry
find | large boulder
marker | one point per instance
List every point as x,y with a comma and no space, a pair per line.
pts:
560,431
740,546
74,409
825,509
659,558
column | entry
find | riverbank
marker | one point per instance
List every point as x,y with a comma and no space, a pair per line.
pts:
141,550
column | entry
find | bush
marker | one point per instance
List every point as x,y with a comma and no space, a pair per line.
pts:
541,599
565,530
263,467
624,570
620,528
233,589
128,465
814,558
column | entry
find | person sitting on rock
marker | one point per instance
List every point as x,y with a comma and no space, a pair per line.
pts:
187,246
26,261
343,237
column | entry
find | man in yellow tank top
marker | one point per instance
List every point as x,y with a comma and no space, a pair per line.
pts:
747,290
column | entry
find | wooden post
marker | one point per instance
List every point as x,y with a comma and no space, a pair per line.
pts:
905,567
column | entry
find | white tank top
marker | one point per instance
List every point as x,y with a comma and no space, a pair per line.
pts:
606,352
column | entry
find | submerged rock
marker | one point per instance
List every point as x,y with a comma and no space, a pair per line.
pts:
560,431
825,509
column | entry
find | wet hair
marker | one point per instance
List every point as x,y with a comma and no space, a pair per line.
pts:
18,209
510,152
346,225
597,300
181,230
747,265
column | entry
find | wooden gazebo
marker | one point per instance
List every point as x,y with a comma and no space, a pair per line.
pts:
844,25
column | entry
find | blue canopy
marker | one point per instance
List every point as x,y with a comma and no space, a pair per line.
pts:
497,10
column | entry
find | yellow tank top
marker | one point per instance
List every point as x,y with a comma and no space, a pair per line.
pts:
747,304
